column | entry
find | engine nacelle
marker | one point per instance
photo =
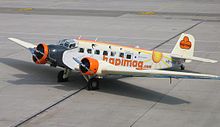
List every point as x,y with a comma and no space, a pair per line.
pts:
40,54
90,63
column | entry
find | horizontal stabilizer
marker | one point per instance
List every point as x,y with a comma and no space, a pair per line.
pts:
195,59
204,60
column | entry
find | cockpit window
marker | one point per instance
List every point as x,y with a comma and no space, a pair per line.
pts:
69,43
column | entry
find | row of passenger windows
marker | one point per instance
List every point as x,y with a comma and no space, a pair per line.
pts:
97,52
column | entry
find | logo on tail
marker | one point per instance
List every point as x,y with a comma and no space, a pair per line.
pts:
185,43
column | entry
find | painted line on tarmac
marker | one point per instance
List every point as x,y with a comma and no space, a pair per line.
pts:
24,9
76,35
70,94
147,13
207,17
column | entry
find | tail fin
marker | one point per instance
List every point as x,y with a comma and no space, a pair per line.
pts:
185,46
184,49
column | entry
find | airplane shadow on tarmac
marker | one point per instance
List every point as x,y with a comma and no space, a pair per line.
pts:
45,75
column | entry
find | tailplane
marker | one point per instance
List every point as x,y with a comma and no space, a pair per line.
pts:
185,46
184,49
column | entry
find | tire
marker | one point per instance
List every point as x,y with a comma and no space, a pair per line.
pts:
182,67
93,84
60,77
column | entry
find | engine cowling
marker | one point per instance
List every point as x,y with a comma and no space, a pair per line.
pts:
40,54
91,63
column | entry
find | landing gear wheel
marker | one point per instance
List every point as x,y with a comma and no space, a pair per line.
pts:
60,77
182,67
93,84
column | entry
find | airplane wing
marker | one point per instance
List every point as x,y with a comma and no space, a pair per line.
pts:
156,73
109,69
22,43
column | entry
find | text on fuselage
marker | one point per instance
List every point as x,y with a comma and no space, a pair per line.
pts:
123,62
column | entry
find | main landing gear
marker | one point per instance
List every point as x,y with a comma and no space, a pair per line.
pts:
182,67
92,82
63,75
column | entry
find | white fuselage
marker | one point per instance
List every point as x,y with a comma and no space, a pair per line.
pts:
124,56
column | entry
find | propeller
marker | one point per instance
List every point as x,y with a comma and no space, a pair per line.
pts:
83,65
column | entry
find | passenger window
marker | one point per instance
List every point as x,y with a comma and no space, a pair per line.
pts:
113,53
105,53
121,55
128,56
97,52
89,51
81,50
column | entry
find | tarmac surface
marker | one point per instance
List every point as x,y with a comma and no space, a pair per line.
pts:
31,97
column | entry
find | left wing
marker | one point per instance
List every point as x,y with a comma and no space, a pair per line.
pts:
156,73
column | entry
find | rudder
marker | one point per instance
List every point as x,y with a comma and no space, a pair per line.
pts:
185,46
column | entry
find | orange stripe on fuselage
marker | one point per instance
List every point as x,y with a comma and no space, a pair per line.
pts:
110,43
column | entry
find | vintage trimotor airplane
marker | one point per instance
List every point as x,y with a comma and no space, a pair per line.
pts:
96,60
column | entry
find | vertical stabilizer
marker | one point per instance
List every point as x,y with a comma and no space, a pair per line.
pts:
185,46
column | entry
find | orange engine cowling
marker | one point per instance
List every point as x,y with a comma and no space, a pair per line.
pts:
40,54
91,64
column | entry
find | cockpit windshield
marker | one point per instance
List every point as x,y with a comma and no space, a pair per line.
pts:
69,43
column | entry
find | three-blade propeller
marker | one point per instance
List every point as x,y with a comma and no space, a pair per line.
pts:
83,65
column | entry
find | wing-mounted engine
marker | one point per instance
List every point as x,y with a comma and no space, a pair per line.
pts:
40,54
51,54
43,53
89,66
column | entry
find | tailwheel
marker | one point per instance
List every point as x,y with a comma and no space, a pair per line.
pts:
93,84
182,67
61,77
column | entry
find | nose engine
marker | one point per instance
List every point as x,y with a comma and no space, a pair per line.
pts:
40,55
